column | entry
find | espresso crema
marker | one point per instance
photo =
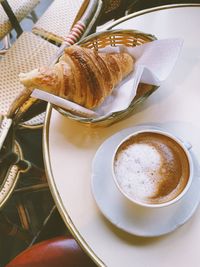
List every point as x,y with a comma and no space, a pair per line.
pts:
151,168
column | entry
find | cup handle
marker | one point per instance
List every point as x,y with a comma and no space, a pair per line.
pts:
187,145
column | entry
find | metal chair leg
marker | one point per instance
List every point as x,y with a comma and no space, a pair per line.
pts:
33,16
6,44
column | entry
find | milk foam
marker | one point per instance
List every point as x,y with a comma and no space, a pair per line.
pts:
151,168
138,165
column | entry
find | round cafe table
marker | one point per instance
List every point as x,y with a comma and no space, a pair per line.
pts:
69,149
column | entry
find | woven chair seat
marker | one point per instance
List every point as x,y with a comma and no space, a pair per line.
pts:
111,5
21,8
56,22
27,53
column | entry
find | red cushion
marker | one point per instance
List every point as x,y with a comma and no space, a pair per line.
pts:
56,252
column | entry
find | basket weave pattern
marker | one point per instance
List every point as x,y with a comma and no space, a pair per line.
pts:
115,38
20,8
111,5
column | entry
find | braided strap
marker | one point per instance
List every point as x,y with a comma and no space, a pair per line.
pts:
75,33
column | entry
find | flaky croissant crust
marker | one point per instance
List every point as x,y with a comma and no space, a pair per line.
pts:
82,75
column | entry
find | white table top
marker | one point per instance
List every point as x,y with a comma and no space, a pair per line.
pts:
69,148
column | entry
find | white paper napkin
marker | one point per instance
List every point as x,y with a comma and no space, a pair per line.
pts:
154,62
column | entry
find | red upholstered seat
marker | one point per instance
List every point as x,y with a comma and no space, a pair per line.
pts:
57,252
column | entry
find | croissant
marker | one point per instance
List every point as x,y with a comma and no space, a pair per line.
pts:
81,75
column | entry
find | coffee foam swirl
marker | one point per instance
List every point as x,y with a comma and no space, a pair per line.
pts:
150,167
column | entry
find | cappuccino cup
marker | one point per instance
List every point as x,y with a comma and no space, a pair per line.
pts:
152,168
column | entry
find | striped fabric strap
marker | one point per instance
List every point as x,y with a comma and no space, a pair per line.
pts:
75,33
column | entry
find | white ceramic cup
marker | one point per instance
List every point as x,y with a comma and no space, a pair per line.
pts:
185,147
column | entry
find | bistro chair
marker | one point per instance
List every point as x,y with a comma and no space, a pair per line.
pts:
62,251
113,9
21,176
28,52
12,12
55,25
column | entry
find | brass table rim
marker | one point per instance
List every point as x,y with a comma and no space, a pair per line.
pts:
55,192
149,10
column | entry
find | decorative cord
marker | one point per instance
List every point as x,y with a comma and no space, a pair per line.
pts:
75,33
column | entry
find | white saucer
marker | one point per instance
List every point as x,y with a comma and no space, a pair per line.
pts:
128,216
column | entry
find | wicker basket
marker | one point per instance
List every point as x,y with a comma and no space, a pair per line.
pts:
100,40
